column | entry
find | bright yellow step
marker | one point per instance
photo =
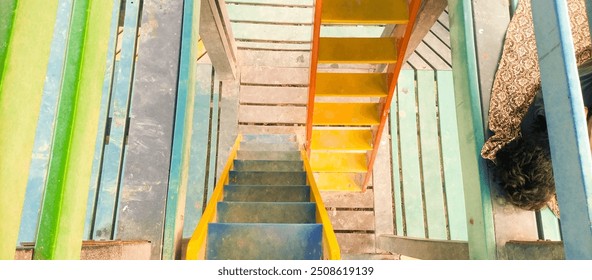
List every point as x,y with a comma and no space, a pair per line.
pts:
351,84
345,114
339,181
341,140
338,162
357,50
365,12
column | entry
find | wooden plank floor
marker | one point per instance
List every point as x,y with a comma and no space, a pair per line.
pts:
272,96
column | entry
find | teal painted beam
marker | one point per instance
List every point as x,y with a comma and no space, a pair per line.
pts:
111,171
103,115
181,153
589,12
471,134
213,139
64,202
199,150
21,86
566,122
45,124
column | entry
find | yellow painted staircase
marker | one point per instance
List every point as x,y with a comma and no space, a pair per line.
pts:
343,133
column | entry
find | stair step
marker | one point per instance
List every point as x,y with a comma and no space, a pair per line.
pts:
267,193
365,12
357,50
351,85
255,146
338,162
267,212
346,114
267,178
268,165
264,241
269,138
342,140
267,155
339,181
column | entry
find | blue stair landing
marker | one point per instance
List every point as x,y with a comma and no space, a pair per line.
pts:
266,211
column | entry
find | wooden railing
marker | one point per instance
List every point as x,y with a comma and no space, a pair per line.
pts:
197,244
331,249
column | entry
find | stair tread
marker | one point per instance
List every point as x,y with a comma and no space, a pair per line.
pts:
267,212
269,138
342,139
351,85
278,178
264,146
339,181
264,241
365,12
268,155
338,162
256,193
357,50
346,114
268,165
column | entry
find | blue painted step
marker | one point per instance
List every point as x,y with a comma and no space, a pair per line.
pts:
269,138
255,146
268,165
267,178
267,193
264,241
267,212
267,155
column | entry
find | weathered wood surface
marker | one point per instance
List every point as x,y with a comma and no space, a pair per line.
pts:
425,249
351,220
356,243
217,36
348,199
382,188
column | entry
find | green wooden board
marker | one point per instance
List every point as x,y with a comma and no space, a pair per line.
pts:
430,155
410,165
302,33
268,14
396,157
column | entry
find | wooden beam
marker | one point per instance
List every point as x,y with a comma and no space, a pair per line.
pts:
535,250
478,202
566,122
218,39
425,249
429,12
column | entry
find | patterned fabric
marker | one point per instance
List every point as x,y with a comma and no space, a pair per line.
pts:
518,76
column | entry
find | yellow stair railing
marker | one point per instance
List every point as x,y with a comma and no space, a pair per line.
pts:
331,250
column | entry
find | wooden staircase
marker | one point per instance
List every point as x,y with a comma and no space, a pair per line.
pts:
265,207
347,112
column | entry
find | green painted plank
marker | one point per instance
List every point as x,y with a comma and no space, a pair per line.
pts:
550,225
480,228
430,155
213,143
294,33
308,3
110,69
64,203
6,23
199,149
395,158
180,154
269,14
45,125
410,166
455,199
109,183
20,101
